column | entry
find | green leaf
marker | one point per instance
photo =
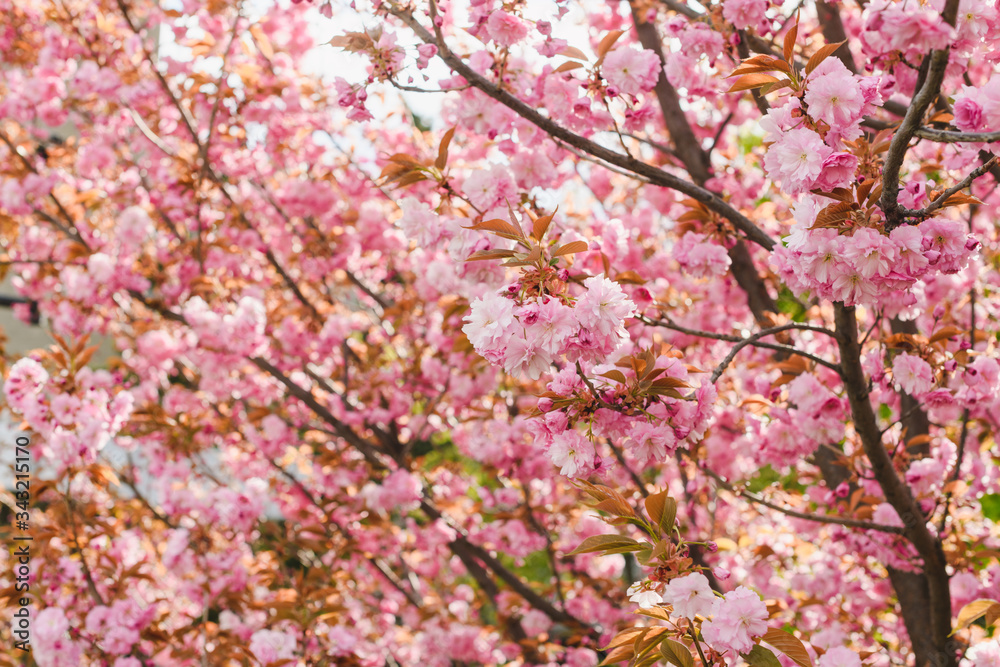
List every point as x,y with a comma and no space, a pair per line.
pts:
788,644
761,657
973,611
676,653
662,509
789,305
764,478
991,506
884,412
615,375
604,543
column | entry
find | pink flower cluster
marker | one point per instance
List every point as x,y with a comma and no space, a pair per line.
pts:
240,332
736,619
352,97
270,646
527,338
700,258
118,626
649,437
74,426
978,109
902,26
745,14
803,159
792,433
52,644
868,267
630,71
912,374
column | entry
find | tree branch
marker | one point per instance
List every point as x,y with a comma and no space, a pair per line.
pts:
655,175
895,490
931,88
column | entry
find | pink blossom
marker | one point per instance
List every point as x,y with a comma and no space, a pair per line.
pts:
551,324
945,244
487,188
912,374
915,28
886,515
853,289
837,171
870,253
700,258
603,307
134,226
796,159
631,71
690,595
989,98
984,654
491,319
744,13
644,597
969,113
839,656
51,641
910,258
834,98
739,618
25,380
101,267
524,357
505,29
651,442
425,53
271,645
573,453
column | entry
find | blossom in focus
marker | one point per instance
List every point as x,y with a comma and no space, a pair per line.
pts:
690,595
631,71
573,453
604,306
739,618
645,598
912,374
834,97
490,319
796,159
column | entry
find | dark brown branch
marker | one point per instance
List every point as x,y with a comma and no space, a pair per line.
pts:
655,175
816,518
896,492
755,341
829,19
927,93
687,148
956,137
961,185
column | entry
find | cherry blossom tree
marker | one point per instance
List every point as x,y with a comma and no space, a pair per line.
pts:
563,332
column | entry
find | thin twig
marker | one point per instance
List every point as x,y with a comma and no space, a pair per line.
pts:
817,518
654,174
964,183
